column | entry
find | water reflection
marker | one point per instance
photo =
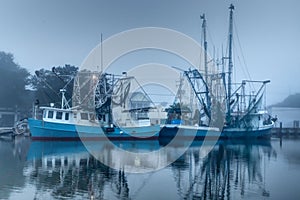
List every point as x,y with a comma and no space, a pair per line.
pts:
232,170
13,157
84,177
68,170
229,168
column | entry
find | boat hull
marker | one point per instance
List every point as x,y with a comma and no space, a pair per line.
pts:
41,130
169,131
188,132
259,133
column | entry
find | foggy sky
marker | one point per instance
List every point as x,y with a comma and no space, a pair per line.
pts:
51,33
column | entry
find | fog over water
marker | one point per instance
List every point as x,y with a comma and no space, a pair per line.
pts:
42,34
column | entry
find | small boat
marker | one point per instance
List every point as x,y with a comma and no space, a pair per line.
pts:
224,109
21,127
76,123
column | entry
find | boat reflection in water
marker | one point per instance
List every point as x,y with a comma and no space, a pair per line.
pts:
232,169
13,158
73,173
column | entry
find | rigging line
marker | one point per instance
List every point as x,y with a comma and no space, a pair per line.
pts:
234,61
210,36
239,59
49,97
66,85
251,85
47,85
146,94
243,62
240,46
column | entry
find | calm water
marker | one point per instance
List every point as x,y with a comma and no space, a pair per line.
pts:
232,170
286,115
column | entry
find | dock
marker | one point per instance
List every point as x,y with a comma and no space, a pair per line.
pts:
286,131
6,130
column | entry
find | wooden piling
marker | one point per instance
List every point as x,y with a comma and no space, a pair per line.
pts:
280,129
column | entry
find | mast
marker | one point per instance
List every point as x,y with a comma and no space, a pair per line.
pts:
230,64
205,46
64,101
205,59
76,99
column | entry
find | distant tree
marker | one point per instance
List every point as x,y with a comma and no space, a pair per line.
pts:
13,81
292,101
47,84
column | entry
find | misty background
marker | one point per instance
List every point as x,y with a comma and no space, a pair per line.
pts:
39,35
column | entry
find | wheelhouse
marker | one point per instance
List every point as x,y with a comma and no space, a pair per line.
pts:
68,116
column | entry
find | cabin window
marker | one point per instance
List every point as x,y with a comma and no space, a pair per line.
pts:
66,116
84,116
44,114
50,114
59,115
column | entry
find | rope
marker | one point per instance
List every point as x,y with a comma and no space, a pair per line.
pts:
244,64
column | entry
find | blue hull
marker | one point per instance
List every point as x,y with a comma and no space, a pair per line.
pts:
170,132
41,130
256,134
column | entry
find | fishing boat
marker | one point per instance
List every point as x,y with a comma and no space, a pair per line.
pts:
78,122
225,109
123,102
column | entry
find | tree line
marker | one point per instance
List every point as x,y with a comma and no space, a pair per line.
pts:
19,89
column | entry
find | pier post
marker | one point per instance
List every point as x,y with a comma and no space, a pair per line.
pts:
280,130
280,134
296,127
